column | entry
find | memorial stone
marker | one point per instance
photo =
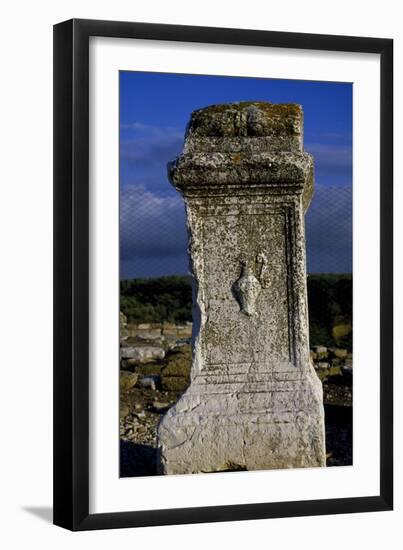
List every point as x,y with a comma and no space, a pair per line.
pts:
254,401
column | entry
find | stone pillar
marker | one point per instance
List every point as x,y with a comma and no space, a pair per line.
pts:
254,401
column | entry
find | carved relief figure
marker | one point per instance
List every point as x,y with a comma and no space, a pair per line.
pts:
247,289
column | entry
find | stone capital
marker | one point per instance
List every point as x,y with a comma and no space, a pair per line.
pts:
246,148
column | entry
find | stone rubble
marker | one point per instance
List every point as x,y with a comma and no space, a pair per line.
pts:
144,407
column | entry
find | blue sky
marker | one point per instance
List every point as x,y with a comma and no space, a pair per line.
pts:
154,111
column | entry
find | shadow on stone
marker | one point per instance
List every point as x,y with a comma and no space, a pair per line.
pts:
137,460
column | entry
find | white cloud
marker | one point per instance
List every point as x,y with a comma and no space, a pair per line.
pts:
329,229
150,225
154,238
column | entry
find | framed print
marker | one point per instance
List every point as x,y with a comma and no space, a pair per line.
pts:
223,274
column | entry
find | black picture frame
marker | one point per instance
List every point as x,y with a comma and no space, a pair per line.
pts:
71,274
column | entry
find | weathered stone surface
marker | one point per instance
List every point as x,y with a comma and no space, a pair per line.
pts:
321,352
123,326
178,362
150,335
142,354
255,401
159,406
339,353
155,332
149,382
269,127
127,380
181,331
175,375
123,410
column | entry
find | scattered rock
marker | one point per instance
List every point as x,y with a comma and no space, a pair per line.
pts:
122,319
127,380
142,354
142,406
321,352
336,394
149,382
150,335
150,369
339,353
160,407
341,331
123,327
128,364
123,410
175,375
349,363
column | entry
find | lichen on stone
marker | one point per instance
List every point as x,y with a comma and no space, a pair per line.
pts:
252,118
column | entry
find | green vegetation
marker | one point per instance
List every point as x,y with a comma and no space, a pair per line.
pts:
330,302
169,299
166,299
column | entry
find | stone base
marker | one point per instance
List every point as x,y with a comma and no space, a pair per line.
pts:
245,425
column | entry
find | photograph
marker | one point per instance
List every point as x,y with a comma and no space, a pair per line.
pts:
202,200
236,261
